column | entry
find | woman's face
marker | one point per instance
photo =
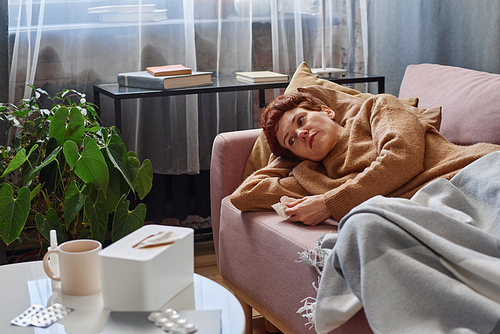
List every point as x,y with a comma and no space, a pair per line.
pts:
310,135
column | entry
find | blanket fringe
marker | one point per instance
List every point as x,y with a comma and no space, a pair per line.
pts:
308,309
316,259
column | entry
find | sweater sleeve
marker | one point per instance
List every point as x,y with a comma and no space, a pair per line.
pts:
266,186
399,140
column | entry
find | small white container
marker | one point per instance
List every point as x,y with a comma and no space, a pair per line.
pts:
144,279
54,259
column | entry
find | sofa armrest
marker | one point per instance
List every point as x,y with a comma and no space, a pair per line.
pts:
230,152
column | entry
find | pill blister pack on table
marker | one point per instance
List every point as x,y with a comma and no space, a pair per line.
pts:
171,322
41,316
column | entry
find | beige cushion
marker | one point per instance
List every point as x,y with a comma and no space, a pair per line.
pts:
303,77
259,156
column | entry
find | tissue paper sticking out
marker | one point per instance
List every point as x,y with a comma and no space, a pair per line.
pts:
281,207
161,238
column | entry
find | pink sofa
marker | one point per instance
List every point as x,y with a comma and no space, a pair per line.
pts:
257,252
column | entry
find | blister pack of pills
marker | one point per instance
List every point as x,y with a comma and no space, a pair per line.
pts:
41,316
171,322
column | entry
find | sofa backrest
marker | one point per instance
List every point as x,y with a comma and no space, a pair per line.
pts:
470,113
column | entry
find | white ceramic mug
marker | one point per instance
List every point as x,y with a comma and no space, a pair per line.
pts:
79,267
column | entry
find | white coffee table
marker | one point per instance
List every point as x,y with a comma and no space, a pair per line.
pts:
25,284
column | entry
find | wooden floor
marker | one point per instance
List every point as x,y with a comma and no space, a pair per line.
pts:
205,265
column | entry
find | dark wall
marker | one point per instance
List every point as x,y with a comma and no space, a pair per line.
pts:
450,32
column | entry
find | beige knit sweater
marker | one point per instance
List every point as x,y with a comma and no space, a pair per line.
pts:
384,150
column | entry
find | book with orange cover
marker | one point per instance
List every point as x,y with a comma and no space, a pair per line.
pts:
168,70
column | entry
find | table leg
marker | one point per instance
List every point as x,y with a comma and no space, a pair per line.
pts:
381,85
118,114
262,98
97,102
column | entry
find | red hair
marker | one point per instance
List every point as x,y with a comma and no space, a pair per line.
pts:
273,112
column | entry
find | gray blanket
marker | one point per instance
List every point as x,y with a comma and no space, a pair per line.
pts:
426,265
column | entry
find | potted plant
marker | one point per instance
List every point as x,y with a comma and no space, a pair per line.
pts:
61,170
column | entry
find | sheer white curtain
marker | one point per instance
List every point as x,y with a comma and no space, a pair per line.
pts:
58,44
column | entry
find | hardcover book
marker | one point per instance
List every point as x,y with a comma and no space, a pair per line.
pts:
167,70
143,79
261,76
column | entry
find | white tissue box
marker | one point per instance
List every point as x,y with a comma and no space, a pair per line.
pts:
143,279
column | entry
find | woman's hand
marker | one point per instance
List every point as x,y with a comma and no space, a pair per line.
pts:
310,210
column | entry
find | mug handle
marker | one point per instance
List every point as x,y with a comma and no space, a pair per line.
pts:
46,266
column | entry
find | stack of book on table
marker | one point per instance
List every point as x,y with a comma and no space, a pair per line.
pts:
164,77
261,76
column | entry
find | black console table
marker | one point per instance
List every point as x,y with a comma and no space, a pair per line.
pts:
219,85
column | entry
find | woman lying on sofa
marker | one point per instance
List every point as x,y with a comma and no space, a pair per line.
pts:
429,264
386,148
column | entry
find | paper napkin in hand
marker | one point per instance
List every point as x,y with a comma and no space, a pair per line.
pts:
159,239
281,207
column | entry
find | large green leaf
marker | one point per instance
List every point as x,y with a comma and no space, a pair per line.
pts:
94,128
144,179
133,164
13,212
50,173
18,160
50,158
117,153
65,128
76,126
57,126
51,222
34,192
90,166
125,221
70,150
116,188
48,176
96,214
33,148
73,202
51,146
